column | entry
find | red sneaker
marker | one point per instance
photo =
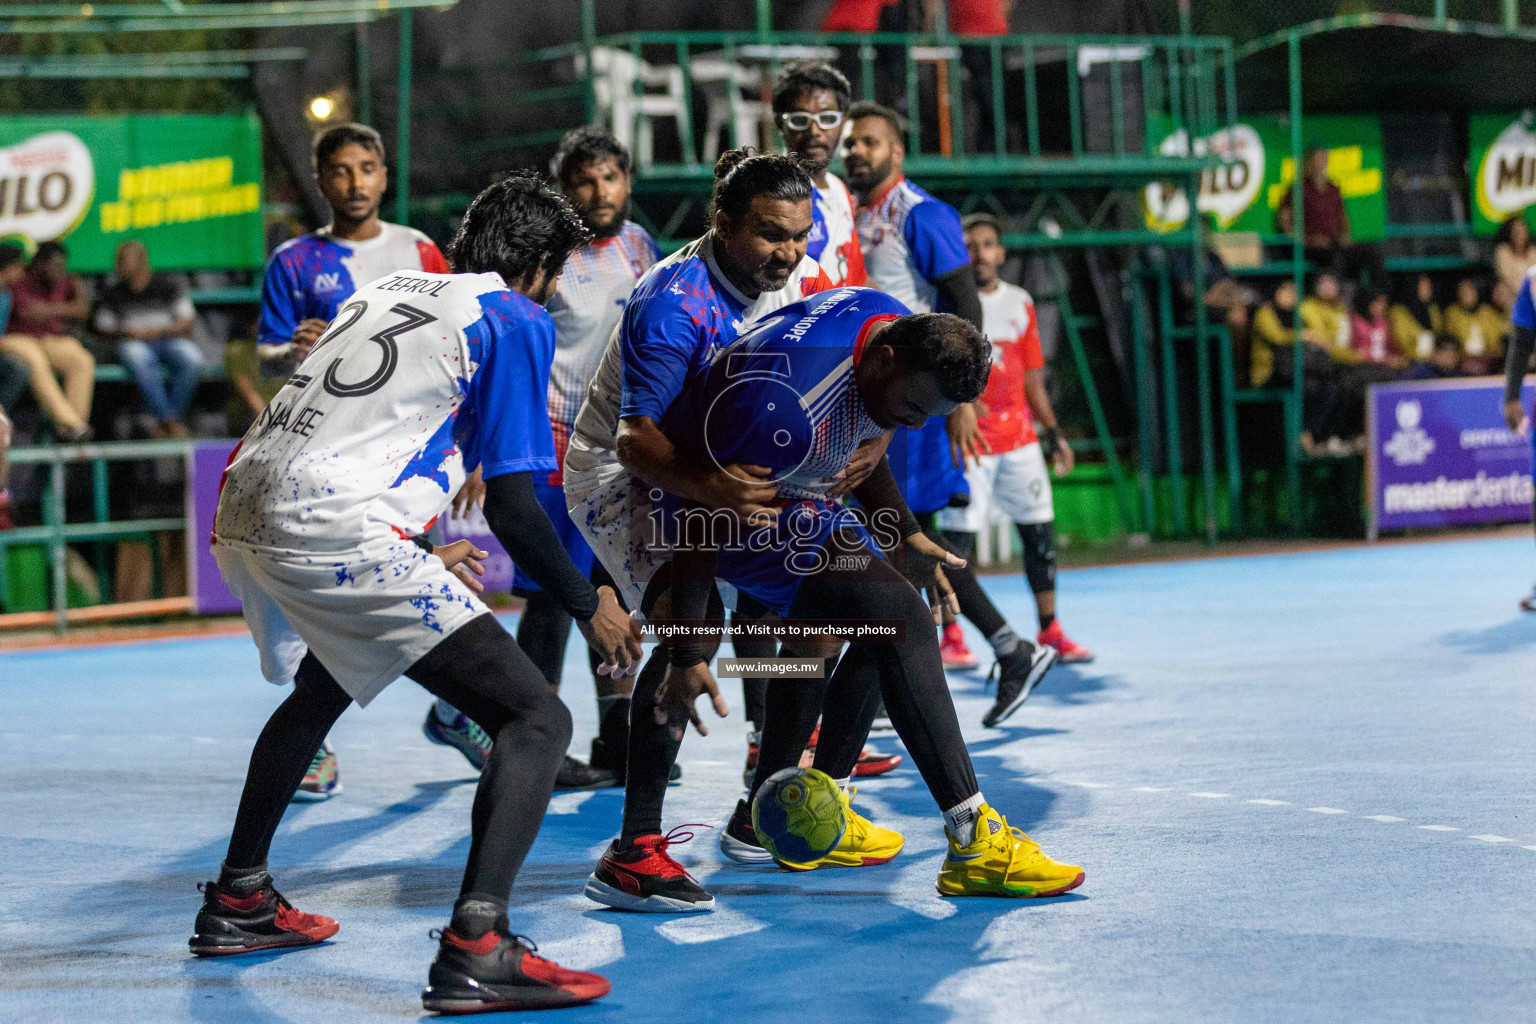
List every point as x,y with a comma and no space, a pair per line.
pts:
870,763
499,971
230,924
644,877
957,656
1071,653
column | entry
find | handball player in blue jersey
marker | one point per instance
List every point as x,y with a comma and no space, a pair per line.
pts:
797,396
914,250
1517,362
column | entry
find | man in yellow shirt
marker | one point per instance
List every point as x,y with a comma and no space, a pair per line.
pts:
1325,314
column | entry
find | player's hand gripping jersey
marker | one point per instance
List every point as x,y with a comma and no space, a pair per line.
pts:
910,240
784,397
311,277
681,313
417,376
834,241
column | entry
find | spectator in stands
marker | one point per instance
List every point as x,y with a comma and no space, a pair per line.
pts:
44,299
1273,356
1371,331
1513,253
13,371
1416,320
1227,300
1327,238
1444,360
150,316
1478,326
1327,317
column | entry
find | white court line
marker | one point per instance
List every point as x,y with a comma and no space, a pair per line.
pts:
1327,810
1439,828
1211,796
1383,817
1090,785
1528,847
1494,839
1152,789
1272,803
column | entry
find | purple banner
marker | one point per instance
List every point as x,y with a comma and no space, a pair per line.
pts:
473,527
1441,455
209,594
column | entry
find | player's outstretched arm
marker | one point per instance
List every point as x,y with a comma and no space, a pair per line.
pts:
519,522
645,451
1515,364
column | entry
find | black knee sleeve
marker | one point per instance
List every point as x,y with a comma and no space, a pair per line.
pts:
1039,555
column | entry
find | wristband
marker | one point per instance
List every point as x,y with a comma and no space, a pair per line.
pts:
1050,441
422,542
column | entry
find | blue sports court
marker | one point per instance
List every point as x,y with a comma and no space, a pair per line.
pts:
1300,785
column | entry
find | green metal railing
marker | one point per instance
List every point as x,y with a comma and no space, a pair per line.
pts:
56,533
1184,82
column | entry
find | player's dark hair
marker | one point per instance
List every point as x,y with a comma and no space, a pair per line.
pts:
979,220
947,346
742,174
808,76
869,108
10,255
350,134
514,227
585,145
48,250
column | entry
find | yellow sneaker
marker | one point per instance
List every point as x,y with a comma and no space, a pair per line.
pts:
1003,861
864,843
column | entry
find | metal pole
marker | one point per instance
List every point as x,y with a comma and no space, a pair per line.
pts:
1203,364
1298,276
1511,15
1186,19
403,123
588,41
55,515
362,75
764,17
1440,13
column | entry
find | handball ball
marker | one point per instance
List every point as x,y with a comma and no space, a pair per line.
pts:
798,815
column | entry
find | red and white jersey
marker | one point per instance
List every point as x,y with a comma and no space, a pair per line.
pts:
588,301
1008,321
835,237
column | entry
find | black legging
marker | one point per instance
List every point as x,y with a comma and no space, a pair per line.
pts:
907,672
544,629
974,602
478,669
754,689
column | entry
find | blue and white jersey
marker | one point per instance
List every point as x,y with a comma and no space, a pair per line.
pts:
313,276
417,376
834,241
910,240
594,287
784,396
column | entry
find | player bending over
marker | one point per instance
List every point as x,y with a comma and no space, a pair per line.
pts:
796,397
417,375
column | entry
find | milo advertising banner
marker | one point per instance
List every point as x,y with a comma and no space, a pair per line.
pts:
187,186
1243,194
1501,164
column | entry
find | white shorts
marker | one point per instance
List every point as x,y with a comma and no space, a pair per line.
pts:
368,615
1013,487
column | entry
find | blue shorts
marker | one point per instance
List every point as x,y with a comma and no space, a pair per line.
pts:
552,498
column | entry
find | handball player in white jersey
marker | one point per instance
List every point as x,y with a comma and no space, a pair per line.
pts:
316,533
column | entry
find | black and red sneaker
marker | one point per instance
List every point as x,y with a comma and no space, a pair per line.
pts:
643,877
872,763
499,971
230,924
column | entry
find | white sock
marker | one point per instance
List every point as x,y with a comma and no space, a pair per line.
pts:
960,819
445,712
1004,642
843,784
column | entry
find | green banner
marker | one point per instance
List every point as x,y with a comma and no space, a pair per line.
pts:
187,186
1501,164
1243,195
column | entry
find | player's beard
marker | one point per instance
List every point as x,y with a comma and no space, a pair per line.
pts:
872,175
614,226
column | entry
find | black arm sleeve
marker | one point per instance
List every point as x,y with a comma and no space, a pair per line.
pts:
1517,360
958,295
693,579
520,524
879,491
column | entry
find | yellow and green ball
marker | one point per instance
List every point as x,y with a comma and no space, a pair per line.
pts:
798,815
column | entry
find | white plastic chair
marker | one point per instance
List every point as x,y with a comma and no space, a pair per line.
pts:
723,82
631,114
